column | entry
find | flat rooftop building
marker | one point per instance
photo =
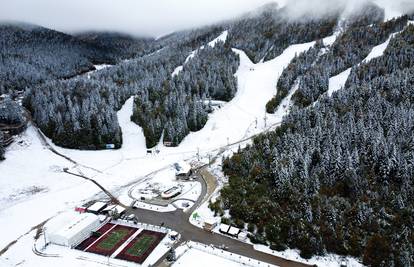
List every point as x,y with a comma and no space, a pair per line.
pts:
97,207
79,227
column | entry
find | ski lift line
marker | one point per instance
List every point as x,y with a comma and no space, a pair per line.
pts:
243,110
217,148
219,151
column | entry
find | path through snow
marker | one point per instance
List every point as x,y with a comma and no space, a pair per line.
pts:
32,164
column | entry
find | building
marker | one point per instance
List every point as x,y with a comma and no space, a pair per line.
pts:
229,230
233,231
97,207
224,228
182,170
172,192
114,209
79,227
209,224
242,236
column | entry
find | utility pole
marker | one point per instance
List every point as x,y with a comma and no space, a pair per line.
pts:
198,153
44,236
265,120
255,122
228,141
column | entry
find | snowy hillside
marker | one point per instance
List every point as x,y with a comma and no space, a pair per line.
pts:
307,123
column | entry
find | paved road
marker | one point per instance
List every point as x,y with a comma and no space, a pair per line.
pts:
179,221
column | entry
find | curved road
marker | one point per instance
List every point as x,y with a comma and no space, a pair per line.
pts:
179,221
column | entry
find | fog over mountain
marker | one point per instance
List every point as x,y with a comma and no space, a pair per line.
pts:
158,17
138,17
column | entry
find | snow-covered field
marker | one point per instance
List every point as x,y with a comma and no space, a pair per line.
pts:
34,189
326,261
337,82
199,258
221,38
195,254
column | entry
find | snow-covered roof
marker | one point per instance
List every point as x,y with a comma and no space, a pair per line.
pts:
173,233
224,227
97,206
182,168
77,225
233,230
119,208
242,235
210,221
110,207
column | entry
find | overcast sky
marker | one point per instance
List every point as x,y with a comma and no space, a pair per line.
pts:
149,17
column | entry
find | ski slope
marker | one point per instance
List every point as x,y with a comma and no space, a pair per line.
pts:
221,38
338,82
237,119
33,164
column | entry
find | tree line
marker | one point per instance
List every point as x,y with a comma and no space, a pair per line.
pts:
337,176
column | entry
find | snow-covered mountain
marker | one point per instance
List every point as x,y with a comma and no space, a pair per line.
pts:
313,114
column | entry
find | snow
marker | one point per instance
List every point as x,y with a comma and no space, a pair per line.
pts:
97,206
233,231
330,40
338,82
77,227
222,37
286,103
327,261
377,51
177,70
224,227
132,135
184,205
119,209
28,168
34,188
203,255
245,114
191,191
102,66
203,259
182,167
97,68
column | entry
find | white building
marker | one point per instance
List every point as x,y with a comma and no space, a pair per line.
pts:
78,228
209,224
224,228
172,192
114,209
97,207
182,170
233,231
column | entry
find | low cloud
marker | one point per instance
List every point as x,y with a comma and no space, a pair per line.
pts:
158,17
138,17
318,8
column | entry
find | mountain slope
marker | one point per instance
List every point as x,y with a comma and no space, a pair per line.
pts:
31,55
337,176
